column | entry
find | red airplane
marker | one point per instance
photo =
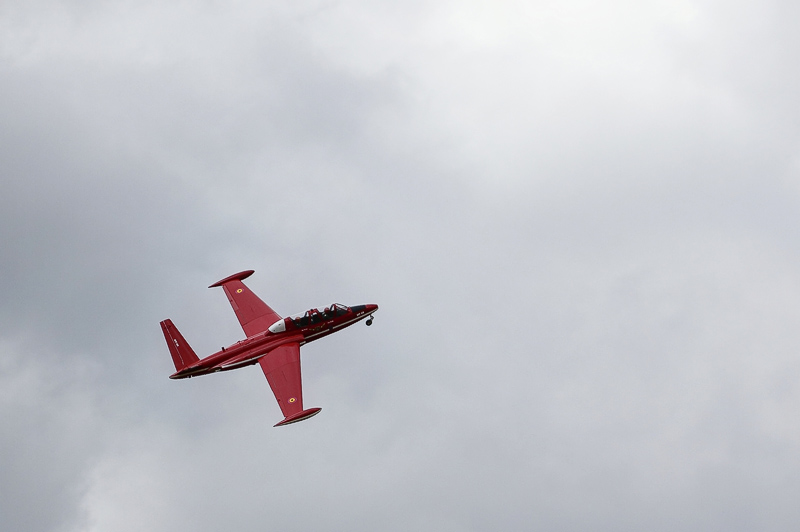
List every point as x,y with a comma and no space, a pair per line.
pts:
272,342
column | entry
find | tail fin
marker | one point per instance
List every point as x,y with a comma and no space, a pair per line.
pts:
182,354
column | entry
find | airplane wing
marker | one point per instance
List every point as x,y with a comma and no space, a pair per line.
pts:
254,315
281,366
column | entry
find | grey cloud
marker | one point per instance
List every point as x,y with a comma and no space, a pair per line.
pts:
582,248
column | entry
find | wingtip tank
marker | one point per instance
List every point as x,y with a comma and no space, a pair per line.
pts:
236,276
300,416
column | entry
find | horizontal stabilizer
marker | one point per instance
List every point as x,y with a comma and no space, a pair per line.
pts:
182,354
300,416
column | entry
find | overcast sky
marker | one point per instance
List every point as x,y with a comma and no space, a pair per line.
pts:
580,221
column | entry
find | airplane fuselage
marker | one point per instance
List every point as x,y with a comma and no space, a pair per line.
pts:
312,325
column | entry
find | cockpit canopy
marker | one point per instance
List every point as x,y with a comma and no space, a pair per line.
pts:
316,315
310,317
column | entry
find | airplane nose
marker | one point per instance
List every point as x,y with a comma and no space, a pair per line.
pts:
370,309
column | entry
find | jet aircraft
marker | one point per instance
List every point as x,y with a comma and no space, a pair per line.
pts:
272,342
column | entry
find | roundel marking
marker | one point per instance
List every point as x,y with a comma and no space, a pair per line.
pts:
292,400
239,291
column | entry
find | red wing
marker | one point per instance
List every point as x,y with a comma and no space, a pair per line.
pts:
254,315
281,366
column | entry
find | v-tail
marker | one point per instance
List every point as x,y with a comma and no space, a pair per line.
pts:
182,353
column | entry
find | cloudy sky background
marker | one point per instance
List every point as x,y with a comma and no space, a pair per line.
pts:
580,221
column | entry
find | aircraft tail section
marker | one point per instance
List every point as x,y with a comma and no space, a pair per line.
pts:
182,354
